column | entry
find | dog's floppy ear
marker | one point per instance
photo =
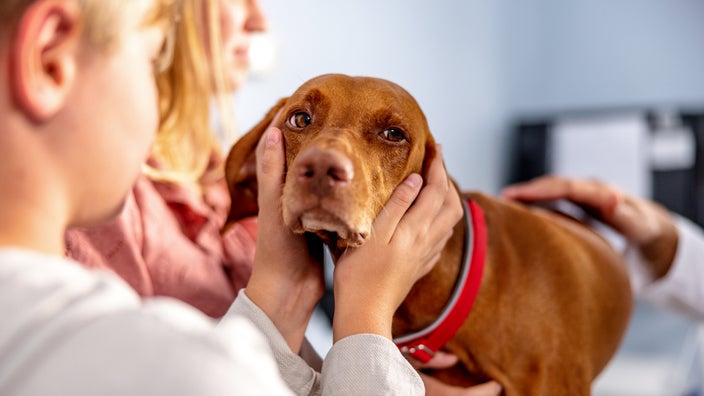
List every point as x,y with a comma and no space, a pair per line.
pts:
241,169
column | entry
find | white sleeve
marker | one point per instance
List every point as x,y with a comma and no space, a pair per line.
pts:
300,377
682,289
363,364
368,364
164,349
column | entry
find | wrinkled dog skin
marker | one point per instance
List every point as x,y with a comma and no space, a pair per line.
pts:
554,300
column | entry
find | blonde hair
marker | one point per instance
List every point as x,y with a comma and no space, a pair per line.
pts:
102,19
186,143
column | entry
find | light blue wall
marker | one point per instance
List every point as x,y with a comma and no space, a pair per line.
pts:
564,55
475,65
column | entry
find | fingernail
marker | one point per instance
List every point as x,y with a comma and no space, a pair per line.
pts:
413,180
273,137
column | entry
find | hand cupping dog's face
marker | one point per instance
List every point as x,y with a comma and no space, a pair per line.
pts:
349,142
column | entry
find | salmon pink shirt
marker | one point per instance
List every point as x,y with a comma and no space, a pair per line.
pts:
167,242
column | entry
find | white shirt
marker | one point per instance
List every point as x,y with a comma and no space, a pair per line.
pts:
70,331
682,289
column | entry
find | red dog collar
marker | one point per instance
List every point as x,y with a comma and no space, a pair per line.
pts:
423,344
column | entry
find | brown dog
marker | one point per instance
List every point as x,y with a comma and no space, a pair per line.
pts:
554,300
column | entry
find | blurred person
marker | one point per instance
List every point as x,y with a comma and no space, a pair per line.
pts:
167,240
664,251
73,69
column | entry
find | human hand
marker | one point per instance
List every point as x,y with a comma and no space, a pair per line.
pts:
287,276
644,223
371,281
435,387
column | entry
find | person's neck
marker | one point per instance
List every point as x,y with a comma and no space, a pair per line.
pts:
27,227
34,210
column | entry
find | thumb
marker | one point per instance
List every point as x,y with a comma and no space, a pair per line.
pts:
270,167
399,202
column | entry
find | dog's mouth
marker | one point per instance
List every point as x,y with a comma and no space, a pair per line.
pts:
331,229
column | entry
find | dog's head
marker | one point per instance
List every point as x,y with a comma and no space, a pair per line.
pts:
349,142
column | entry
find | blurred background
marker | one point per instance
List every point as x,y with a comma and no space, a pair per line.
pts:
612,89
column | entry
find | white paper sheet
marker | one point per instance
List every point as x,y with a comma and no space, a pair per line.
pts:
613,148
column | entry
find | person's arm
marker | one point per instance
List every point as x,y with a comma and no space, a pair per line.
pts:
296,372
646,225
304,380
681,289
287,276
664,252
371,281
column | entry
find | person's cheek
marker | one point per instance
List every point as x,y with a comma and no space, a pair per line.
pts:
227,23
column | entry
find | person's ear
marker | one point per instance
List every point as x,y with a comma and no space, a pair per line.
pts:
44,56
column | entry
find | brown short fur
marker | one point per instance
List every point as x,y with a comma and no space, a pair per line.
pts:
555,299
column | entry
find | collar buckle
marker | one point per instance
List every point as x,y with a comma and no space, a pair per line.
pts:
418,352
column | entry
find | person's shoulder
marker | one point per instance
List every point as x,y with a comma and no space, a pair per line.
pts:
75,330
37,276
69,292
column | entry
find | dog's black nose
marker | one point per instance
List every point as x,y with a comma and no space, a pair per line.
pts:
323,169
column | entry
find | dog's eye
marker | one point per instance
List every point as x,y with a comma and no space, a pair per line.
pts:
300,120
393,135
